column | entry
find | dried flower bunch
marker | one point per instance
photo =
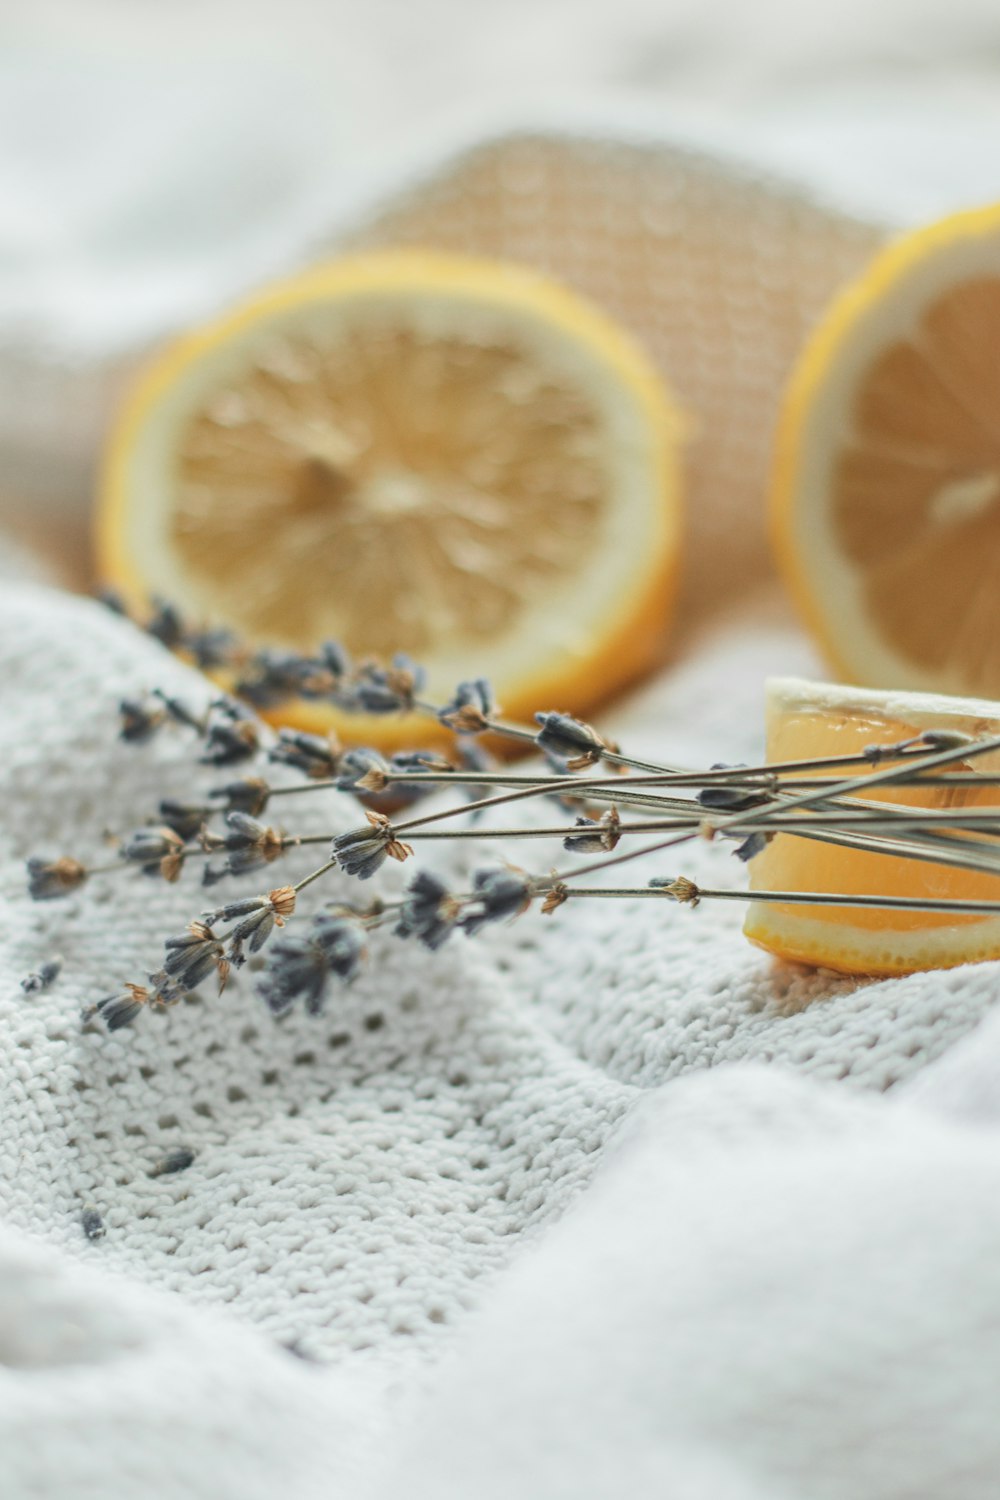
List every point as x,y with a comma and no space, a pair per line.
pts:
589,781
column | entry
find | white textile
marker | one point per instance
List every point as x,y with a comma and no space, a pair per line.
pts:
521,1253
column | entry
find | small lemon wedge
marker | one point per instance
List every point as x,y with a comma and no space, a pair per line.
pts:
807,720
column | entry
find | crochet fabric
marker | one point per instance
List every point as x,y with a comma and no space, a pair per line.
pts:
594,1205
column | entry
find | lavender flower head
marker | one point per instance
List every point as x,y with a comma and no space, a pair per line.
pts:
497,894
429,912
363,851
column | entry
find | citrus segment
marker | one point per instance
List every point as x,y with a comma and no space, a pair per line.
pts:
402,451
886,497
809,720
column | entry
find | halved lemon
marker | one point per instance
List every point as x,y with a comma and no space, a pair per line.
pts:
404,451
886,494
807,720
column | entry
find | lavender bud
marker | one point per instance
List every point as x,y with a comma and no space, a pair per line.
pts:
91,1223
228,707
177,1159
148,846
678,887
361,852
255,930
51,878
112,599
875,754
377,698
298,970
603,836
945,739
429,911
191,958
381,690
165,625
335,659
230,737
185,818
752,845
584,843
250,795
139,721
311,753
417,761
730,798
470,707
243,830
163,991
250,843
275,676
341,943
235,909
212,648
117,1011
46,974
497,894
563,735
179,711
405,668
355,765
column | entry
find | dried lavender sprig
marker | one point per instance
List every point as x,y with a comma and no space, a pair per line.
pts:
755,778
598,788
773,816
564,735
937,851
568,734
846,788
699,819
894,848
689,893
397,689
932,850
862,785
270,677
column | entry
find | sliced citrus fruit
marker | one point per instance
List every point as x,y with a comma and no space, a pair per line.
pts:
807,720
403,451
886,495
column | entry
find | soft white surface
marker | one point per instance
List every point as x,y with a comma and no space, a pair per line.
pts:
601,1206
158,160
762,1279
770,1291
210,140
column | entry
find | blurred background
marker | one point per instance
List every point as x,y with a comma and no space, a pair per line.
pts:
157,160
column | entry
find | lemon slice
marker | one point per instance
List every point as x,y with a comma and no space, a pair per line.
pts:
886,496
806,720
408,452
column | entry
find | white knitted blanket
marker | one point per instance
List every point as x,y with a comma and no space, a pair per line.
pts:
602,1205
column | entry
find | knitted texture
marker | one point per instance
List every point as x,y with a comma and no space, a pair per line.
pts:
358,1178
476,1185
